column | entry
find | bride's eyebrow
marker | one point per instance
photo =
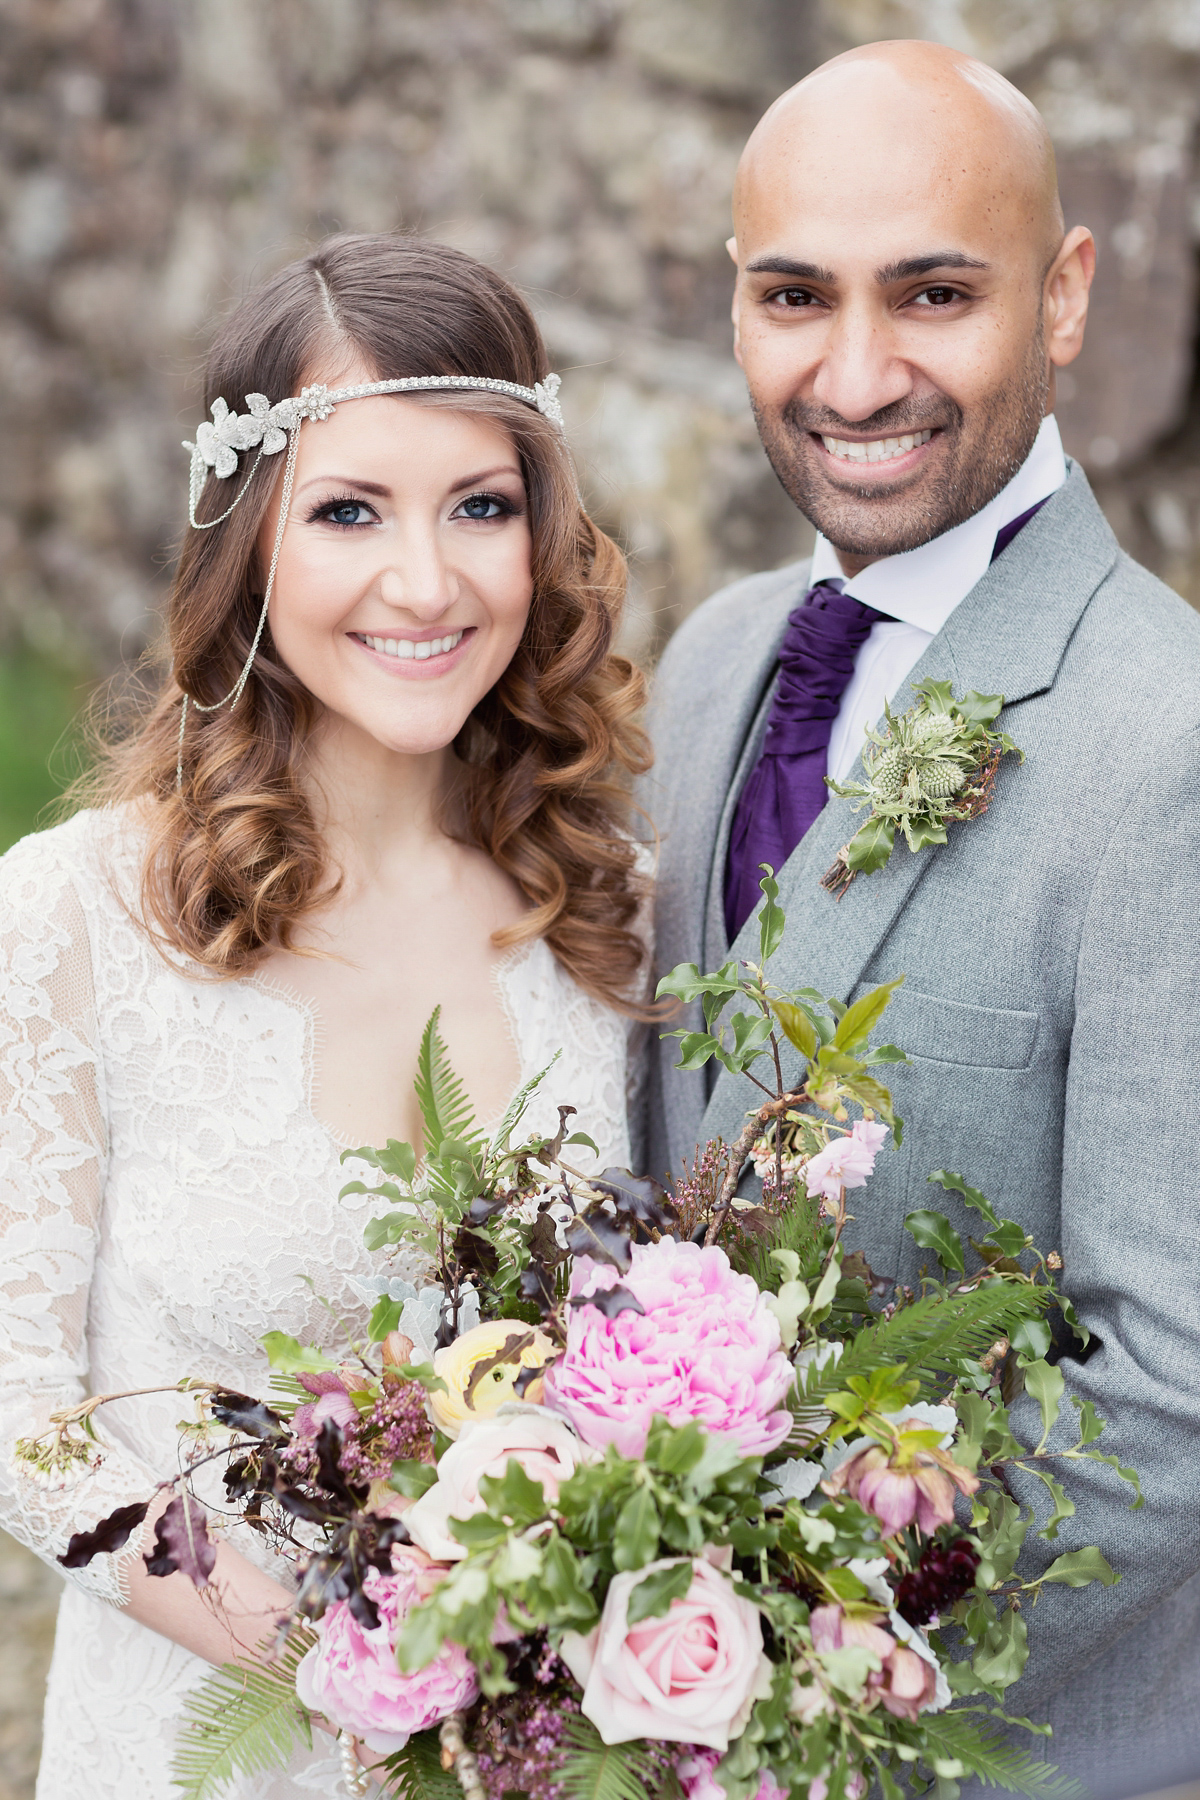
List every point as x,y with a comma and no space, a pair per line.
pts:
347,481
487,475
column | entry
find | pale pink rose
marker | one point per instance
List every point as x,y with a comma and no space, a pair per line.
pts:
545,1446
905,1488
905,1683
690,1677
705,1348
351,1677
848,1162
332,1402
698,1779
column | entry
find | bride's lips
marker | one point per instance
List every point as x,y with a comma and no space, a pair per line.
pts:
415,655
869,460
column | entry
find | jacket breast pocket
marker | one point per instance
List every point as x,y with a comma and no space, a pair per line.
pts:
949,1031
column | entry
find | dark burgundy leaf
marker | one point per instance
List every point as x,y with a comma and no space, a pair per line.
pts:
253,1417
388,1532
526,1379
855,1267
549,1151
597,1234
537,1284
544,1246
509,1352
110,1534
364,1609
643,1198
610,1301
476,1254
322,1585
302,1507
329,1469
181,1541
484,1207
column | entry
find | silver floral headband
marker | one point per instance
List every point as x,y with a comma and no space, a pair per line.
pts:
272,428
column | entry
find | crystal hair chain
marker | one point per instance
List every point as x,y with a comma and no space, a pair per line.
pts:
235,693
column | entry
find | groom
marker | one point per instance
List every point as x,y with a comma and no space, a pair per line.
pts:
904,296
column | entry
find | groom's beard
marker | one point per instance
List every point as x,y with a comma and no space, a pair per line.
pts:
977,454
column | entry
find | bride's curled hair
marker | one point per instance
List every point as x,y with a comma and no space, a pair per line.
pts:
235,858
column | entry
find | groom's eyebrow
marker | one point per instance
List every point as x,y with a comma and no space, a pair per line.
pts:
784,265
925,265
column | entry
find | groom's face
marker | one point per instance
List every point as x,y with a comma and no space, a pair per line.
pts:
891,316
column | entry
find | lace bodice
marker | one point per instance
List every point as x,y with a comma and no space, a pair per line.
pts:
166,1196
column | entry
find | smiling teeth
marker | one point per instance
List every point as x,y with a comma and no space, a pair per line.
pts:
879,450
420,648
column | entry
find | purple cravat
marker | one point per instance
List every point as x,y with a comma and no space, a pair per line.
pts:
786,790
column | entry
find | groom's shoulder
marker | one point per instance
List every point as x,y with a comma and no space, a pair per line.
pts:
1140,640
753,608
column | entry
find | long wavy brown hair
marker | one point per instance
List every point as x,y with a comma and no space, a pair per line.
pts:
235,859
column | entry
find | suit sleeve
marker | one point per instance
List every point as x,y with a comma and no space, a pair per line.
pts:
1131,1231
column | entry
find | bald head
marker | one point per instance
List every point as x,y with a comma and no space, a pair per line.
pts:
902,274
890,112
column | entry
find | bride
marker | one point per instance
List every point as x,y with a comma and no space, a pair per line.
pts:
384,774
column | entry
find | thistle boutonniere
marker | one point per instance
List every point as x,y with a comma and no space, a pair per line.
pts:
934,764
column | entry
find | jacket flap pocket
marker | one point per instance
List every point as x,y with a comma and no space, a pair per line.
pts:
981,1037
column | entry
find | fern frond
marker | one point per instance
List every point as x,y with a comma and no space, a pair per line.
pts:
516,1107
446,1111
989,1755
416,1772
594,1770
795,1228
242,1722
932,1336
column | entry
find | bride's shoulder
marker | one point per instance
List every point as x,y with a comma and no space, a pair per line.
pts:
95,852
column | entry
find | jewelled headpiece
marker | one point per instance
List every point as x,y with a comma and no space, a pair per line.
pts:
272,428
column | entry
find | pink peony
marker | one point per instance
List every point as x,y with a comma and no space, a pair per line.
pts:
905,1487
545,1446
706,1348
333,1402
350,1675
905,1682
698,1779
848,1162
690,1677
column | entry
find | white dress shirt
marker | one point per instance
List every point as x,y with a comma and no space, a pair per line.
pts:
920,589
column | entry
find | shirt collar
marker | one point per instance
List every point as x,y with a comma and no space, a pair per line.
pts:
923,586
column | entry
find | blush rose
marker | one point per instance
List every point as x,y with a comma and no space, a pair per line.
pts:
545,1446
689,1677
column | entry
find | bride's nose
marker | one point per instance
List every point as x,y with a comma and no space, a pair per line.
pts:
420,583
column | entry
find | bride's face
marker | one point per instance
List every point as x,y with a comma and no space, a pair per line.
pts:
403,582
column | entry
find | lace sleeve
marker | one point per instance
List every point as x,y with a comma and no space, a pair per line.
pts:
52,1169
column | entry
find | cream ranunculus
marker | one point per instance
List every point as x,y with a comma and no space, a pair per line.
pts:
690,1677
456,1365
545,1446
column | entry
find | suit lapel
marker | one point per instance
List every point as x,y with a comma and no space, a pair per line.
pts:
1008,636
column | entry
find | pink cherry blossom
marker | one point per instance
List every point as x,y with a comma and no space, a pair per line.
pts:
705,1347
848,1162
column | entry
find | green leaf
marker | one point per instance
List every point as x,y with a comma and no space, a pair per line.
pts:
859,1020
980,709
594,1770
1091,1425
515,1110
416,1772
581,1137
933,1231
1032,1338
446,1112
652,1598
686,983
1064,1506
1129,1475
798,1027
1001,1530
770,917
870,846
955,1184
992,1756
291,1357
635,1538
695,1048
1080,1567
241,1721
1002,1656
412,1479
1045,1382
385,1316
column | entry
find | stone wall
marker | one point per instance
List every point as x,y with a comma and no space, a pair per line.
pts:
158,155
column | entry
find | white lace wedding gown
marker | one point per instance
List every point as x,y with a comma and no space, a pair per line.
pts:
166,1196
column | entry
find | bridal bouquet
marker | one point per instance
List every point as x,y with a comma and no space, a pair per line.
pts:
648,1493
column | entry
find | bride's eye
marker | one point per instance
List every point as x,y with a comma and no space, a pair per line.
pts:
484,506
344,511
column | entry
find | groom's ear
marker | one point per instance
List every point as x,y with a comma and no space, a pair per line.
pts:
731,246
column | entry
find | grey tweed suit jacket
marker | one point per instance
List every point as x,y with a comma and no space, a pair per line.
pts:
1051,1009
